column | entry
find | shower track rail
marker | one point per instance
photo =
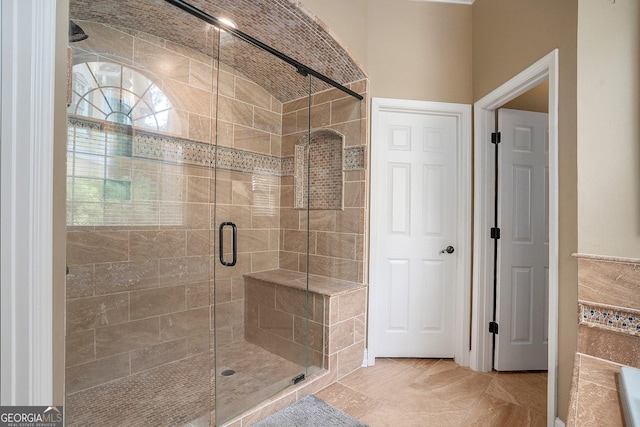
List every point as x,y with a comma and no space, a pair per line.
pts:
300,67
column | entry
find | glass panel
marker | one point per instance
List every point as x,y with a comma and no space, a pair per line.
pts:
139,225
261,301
329,182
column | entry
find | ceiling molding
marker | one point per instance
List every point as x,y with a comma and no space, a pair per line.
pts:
467,2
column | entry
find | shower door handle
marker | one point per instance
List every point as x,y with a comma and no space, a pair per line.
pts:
234,244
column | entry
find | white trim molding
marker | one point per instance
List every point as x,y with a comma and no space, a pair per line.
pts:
481,343
462,113
467,2
27,45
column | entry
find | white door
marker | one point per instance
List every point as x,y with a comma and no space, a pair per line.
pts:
523,249
415,198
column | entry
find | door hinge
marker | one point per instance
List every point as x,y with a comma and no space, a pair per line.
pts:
495,233
493,328
495,137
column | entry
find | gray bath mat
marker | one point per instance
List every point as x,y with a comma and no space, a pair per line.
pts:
309,412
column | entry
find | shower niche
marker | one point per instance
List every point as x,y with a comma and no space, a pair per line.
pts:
216,212
319,171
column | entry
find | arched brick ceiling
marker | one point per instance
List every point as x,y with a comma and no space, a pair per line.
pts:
282,24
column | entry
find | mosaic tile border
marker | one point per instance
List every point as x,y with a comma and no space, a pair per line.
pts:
84,124
101,125
609,318
288,166
166,148
150,145
354,158
246,161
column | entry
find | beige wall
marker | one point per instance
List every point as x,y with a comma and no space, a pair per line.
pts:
508,36
419,50
609,128
423,53
346,21
536,99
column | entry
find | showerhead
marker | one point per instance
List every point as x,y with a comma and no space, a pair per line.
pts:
76,33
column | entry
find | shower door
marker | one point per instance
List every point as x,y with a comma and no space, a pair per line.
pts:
139,157
260,328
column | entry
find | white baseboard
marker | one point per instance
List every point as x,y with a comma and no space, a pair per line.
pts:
365,360
559,423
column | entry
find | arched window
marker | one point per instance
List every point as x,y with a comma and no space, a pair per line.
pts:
112,92
109,101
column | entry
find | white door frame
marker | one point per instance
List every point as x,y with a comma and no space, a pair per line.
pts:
28,46
462,113
484,120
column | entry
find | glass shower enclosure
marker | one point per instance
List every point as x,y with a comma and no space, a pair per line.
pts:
204,176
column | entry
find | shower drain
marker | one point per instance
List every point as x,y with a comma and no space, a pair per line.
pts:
227,372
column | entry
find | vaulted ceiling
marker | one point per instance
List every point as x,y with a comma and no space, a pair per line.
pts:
281,24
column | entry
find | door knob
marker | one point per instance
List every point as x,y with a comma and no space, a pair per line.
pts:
448,250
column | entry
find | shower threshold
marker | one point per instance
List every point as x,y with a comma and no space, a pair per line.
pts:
258,375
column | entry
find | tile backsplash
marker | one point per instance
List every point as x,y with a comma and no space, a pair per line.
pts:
608,336
609,308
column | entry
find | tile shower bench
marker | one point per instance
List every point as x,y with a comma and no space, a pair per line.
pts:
275,307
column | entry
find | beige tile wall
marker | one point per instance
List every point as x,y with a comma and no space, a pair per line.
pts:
135,293
249,120
336,236
139,297
128,290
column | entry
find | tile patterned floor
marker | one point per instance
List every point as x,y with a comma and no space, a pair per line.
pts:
176,394
394,392
258,374
432,392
